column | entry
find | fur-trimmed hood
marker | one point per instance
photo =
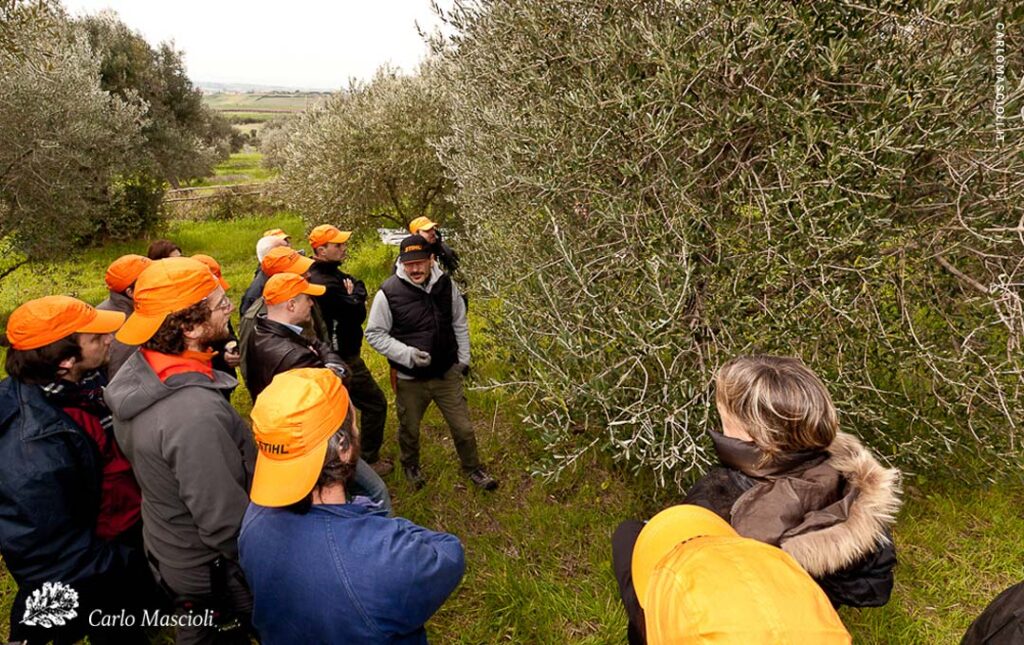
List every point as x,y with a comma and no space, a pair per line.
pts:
869,513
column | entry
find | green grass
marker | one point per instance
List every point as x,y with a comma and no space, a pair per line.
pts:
239,168
538,552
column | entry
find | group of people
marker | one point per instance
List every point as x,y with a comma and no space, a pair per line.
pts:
134,496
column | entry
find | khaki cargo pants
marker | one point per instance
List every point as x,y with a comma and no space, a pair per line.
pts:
412,397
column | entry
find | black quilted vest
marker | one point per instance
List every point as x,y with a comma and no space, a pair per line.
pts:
423,320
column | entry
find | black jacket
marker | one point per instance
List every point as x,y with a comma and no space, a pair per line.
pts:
446,256
50,486
1002,622
274,348
343,312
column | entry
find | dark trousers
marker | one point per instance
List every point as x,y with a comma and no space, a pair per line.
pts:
370,401
413,396
623,541
217,587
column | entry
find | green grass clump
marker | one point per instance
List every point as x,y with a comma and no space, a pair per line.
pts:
239,168
538,551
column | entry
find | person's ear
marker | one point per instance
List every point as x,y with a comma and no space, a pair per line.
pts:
352,413
345,450
66,365
193,333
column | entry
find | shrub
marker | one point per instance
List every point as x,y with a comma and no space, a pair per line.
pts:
367,156
653,187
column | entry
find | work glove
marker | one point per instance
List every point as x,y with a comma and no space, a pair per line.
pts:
420,358
462,368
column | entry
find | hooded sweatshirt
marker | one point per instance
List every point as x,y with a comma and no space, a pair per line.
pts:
192,454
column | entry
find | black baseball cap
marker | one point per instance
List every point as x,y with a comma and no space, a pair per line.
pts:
414,248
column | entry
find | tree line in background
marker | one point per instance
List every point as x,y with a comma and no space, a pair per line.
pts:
94,124
648,188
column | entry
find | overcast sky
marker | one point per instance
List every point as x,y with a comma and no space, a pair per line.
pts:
296,43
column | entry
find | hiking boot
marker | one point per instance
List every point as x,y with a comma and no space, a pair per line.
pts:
414,477
383,467
483,480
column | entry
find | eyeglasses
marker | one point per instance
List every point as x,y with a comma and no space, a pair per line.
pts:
225,305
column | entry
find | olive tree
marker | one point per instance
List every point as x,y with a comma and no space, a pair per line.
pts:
692,180
366,154
63,139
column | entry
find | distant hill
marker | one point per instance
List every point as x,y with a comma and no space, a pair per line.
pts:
210,87
263,102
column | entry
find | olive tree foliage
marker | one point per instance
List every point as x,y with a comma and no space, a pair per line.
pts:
182,138
63,140
651,188
366,155
274,138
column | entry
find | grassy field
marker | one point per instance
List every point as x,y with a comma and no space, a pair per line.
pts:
258,102
538,555
239,168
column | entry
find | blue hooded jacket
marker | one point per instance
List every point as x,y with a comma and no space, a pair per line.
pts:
345,573
49,493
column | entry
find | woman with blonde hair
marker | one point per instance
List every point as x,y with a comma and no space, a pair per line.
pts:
790,478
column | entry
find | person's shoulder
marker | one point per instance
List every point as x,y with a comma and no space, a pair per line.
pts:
391,282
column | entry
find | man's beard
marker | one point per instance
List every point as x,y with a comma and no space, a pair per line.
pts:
211,336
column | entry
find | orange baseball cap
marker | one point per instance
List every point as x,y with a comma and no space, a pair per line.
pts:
284,259
420,224
276,232
214,268
42,321
325,233
166,286
292,420
125,270
667,529
282,287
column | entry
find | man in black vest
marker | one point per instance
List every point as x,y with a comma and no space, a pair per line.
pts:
344,308
418,322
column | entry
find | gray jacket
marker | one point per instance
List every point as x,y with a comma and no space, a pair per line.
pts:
119,352
378,325
193,457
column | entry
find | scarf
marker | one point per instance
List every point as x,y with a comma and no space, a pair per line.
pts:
86,395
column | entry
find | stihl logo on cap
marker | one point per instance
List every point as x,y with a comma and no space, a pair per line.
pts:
271,448
414,247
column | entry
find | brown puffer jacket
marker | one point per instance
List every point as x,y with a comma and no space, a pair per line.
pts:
831,510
